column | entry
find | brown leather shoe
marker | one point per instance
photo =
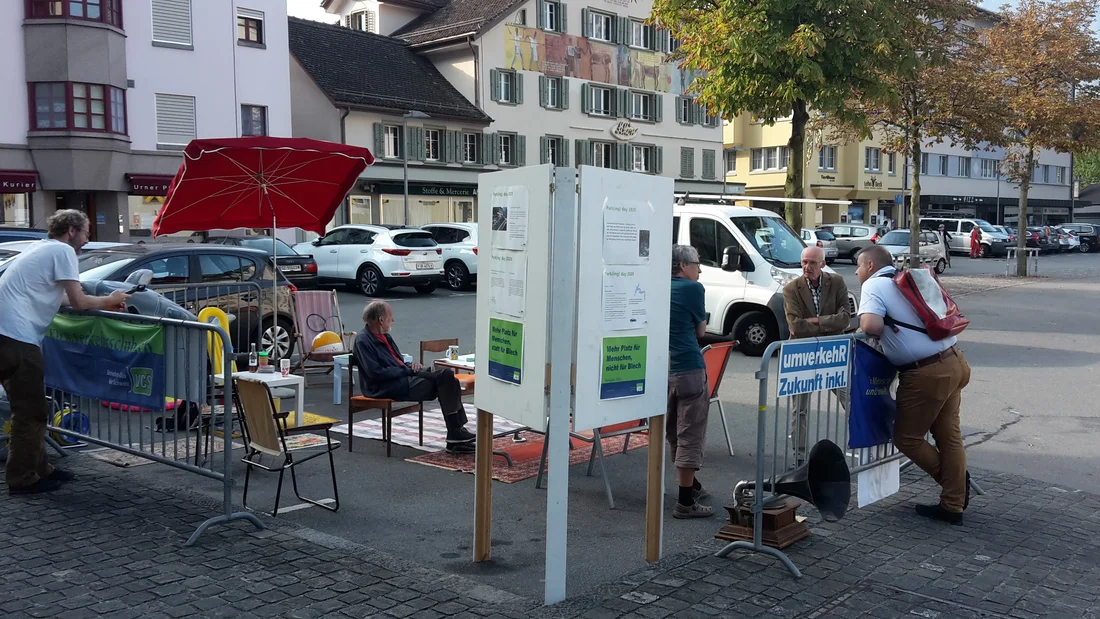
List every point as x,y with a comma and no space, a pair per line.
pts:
42,485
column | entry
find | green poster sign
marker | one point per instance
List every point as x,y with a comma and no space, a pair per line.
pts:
624,366
506,350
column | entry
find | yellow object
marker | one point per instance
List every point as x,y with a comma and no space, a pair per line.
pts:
214,344
327,342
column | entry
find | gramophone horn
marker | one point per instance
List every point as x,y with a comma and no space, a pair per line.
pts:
824,481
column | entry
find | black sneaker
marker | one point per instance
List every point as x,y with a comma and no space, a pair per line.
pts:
966,501
42,485
461,448
937,512
461,435
61,475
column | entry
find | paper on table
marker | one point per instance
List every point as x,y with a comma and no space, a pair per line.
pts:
878,483
626,226
624,299
508,282
510,217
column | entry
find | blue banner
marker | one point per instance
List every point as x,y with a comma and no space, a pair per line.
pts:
873,409
106,359
808,366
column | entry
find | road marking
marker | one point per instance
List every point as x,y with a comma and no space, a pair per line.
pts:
294,508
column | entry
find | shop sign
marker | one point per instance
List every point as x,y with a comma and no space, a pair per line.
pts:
149,185
18,181
872,183
828,177
624,131
449,191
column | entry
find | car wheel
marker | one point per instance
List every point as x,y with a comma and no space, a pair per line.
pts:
983,251
370,281
425,288
458,276
1085,247
277,339
941,266
755,331
830,261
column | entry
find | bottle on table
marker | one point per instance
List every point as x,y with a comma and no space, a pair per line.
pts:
253,359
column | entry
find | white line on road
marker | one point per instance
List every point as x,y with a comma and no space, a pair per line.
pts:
294,508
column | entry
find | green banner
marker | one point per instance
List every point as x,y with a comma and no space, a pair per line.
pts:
506,350
624,367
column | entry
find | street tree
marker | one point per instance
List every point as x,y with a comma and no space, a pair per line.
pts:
939,100
1042,68
1086,165
775,59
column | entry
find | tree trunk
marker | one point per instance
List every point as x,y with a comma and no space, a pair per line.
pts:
914,199
796,167
1021,223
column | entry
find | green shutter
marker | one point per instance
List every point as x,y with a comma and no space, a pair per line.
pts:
486,144
379,140
661,40
586,23
698,114
622,156
564,92
622,103
521,150
494,85
586,99
658,107
492,148
564,153
582,146
416,144
562,20
544,94
518,99
540,18
544,157
687,162
658,160
708,164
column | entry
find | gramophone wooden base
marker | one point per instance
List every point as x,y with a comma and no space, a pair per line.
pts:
781,528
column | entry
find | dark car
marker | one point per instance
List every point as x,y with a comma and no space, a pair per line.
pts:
197,276
1045,240
11,233
1088,233
300,269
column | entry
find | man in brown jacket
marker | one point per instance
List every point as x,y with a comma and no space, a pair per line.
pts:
816,304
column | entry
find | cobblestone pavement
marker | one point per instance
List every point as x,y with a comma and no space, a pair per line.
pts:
104,546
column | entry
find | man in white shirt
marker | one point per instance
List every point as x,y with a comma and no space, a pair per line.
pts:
33,288
931,375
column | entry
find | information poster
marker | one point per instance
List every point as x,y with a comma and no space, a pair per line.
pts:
624,299
626,231
510,217
624,367
508,282
506,350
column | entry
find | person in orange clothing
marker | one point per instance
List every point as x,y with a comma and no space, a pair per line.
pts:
975,242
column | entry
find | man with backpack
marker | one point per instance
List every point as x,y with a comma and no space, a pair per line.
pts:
931,376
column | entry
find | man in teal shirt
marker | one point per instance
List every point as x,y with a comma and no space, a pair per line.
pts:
688,392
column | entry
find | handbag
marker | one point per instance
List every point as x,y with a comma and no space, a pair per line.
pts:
872,409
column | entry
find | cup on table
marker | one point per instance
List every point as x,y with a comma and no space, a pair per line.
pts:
284,367
407,357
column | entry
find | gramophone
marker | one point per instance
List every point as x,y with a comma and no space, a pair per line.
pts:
824,481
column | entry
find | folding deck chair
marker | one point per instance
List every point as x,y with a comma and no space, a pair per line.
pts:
317,311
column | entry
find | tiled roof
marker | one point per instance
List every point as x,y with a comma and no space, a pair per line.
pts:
456,18
360,69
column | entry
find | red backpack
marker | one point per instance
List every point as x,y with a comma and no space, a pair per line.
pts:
939,313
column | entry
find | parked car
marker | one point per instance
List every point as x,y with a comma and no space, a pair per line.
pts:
851,238
823,239
746,256
374,258
1073,241
459,244
1009,232
223,268
1060,235
300,269
1089,234
930,246
11,249
12,233
1045,239
993,243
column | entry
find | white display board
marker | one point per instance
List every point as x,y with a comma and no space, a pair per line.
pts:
624,263
512,294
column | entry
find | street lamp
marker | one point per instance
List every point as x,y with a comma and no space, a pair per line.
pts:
405,153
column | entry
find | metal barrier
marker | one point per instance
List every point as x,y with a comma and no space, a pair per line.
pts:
1032,260
174,434
826,417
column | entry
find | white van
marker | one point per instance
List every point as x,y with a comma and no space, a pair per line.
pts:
747,256
994,243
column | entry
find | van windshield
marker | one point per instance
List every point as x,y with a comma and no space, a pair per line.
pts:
773,238
985,225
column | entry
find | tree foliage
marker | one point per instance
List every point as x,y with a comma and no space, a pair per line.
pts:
1042,68
775,58
1086,165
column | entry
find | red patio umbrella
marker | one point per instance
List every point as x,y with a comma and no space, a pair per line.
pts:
257,182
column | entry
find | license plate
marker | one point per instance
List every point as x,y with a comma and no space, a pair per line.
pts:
425,266
291,267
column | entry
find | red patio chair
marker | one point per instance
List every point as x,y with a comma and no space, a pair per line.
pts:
716,356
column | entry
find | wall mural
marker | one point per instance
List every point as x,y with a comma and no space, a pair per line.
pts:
563,55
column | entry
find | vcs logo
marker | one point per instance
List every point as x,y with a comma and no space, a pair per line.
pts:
141,381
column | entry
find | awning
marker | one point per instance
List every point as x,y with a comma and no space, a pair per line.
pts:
149,184
18,181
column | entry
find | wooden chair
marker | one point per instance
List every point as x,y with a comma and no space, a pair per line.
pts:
362,403
266,434
426,346
716,357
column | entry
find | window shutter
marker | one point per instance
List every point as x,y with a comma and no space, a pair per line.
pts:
494,85
584,153
544,94
451,152
379,140
172,21
661,36
658,107
708,164
416,144
544,157
697,113
586,23
658,160
621,30
485,142
622,151
175,119
494,148
687,162
564,95
564,150
623,103
586,100
562,19
519,88
540,8
521,150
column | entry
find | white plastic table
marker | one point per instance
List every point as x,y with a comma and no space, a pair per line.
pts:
276,379
340,363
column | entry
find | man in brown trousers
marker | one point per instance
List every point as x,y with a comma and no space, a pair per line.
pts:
816,304
931,377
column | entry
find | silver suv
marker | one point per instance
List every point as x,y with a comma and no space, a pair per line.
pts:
459,244
852,238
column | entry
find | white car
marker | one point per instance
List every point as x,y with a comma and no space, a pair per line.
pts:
374,258
823,239
459,243
931,246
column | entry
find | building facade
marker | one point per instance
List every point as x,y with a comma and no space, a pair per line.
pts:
568,83
114,91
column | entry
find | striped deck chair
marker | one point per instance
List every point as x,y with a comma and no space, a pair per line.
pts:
316,311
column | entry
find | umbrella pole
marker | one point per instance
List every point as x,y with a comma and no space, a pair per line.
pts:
274,282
